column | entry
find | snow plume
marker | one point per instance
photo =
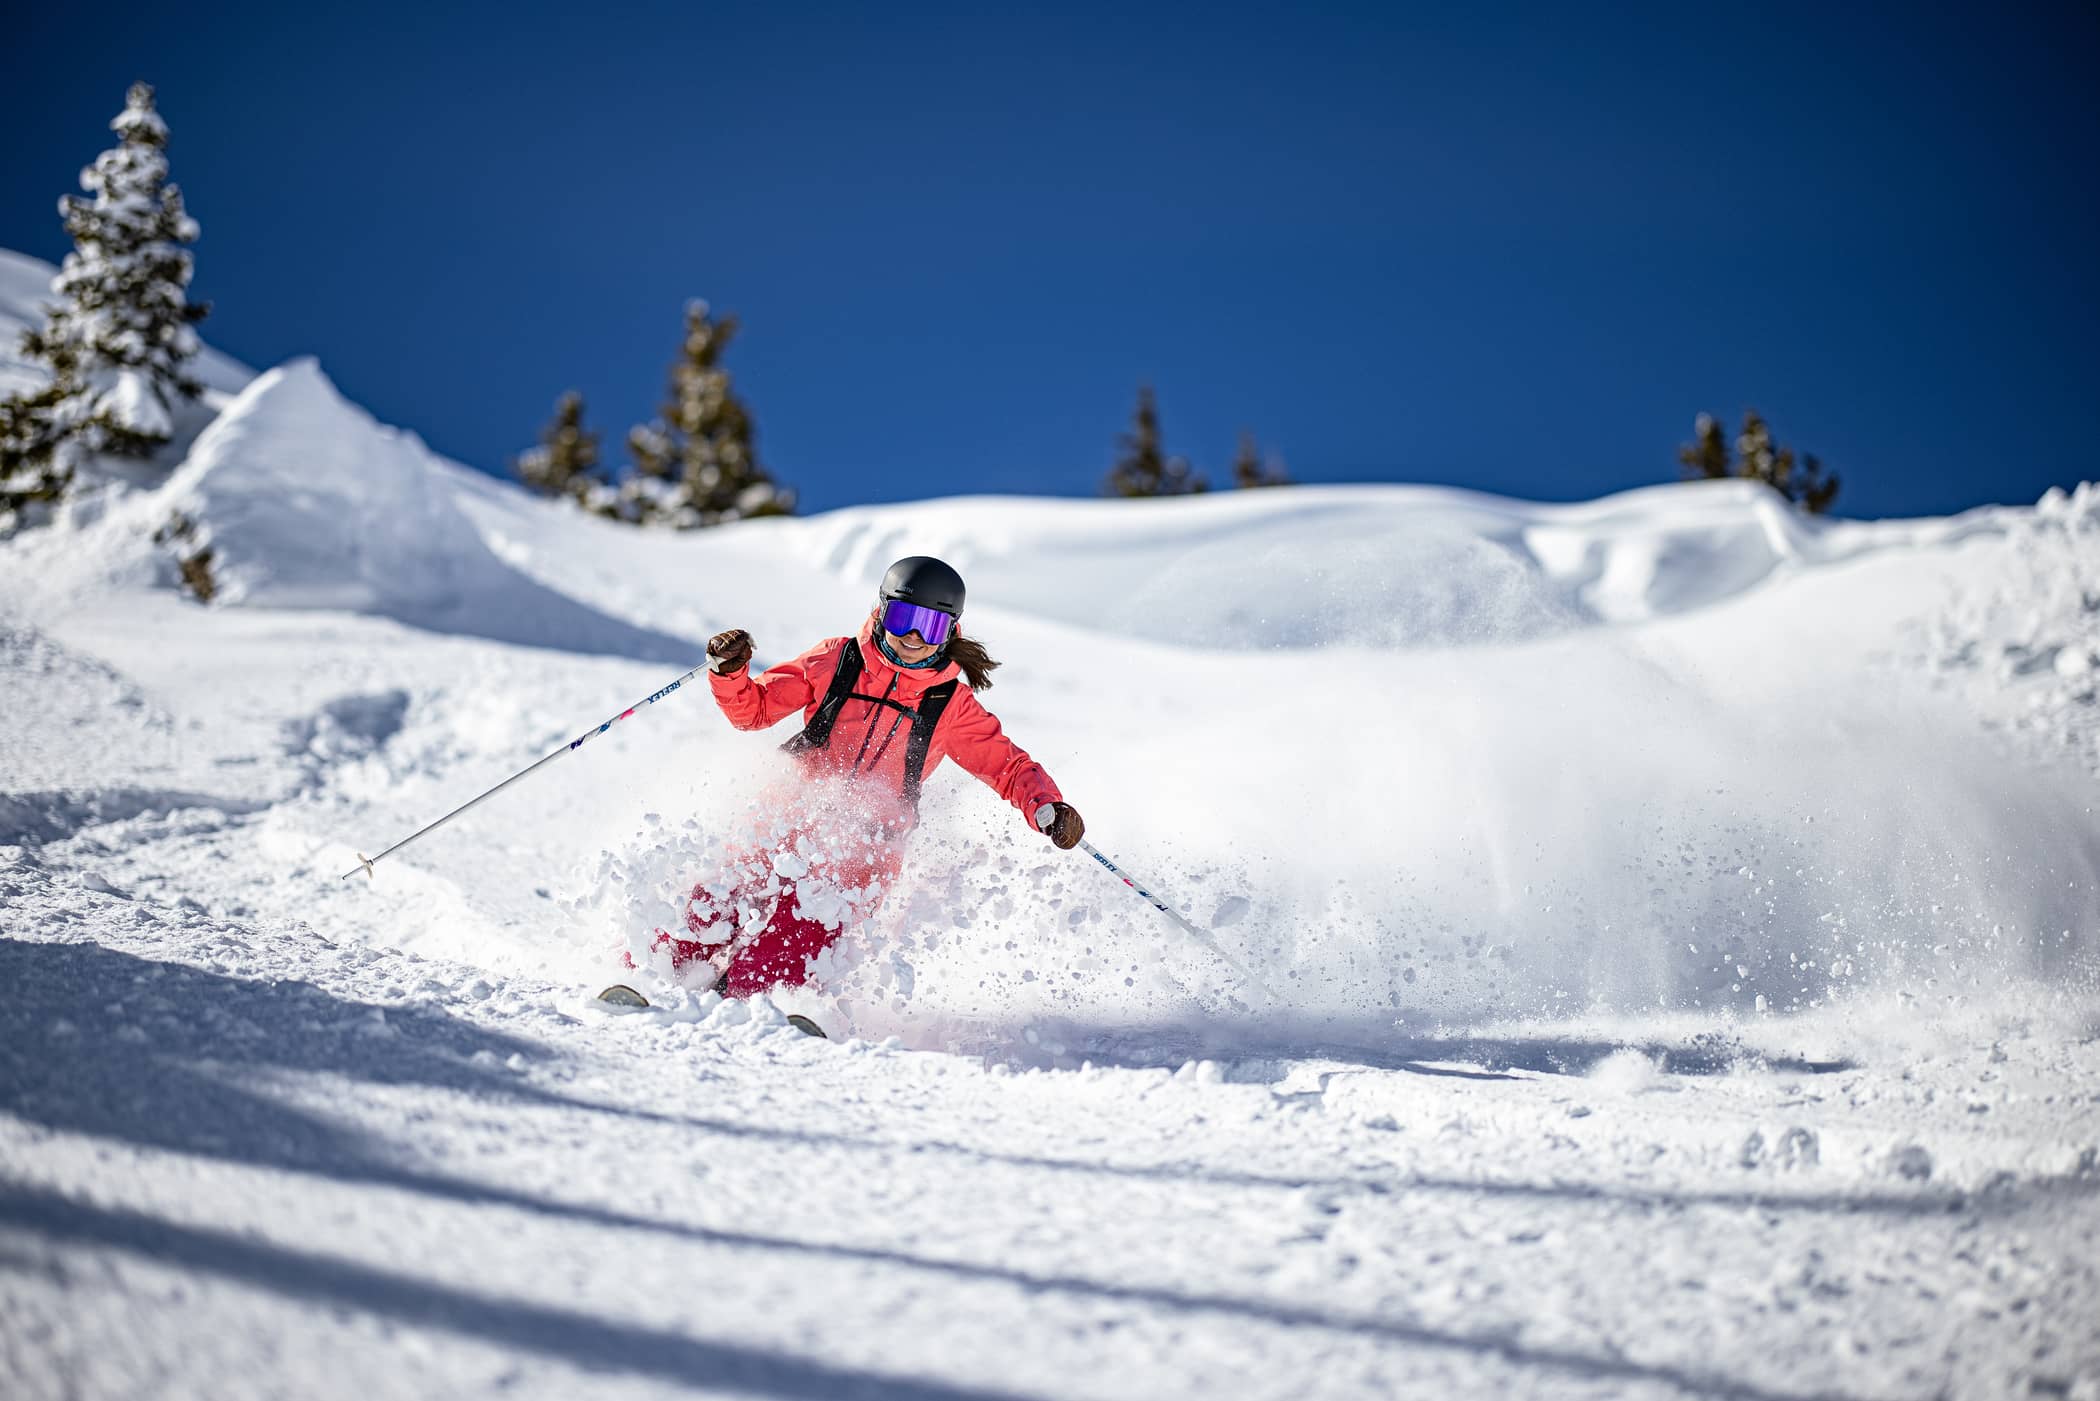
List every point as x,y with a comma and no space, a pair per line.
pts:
1547,830
1578,827
1738,802
764,833
1769,862
986,908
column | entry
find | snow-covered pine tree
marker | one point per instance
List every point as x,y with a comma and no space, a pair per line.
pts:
694,464
1144,469
1251,469
566,461
1706,456
1815,489
36,464
1758,458
119,338
1761,459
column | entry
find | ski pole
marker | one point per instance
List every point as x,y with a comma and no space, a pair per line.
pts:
365,863
1046,814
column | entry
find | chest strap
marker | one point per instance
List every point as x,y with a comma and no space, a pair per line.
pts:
817,733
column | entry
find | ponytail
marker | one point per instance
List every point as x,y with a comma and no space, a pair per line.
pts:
969,654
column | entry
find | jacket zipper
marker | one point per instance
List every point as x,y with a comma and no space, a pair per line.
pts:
875,713
884,747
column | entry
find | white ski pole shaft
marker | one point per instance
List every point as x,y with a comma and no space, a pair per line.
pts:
1046,814
365,863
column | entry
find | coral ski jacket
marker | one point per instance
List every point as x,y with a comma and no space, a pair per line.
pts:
869,737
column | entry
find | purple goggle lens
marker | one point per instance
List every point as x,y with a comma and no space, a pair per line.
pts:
931,624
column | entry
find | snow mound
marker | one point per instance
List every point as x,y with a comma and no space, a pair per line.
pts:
305,502
310,503
313,504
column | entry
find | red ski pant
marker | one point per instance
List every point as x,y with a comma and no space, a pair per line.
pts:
777,956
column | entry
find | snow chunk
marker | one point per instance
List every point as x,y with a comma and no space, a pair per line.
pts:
1799,1148
1627,1071
1198,1072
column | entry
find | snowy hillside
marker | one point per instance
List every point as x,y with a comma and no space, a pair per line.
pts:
1659,951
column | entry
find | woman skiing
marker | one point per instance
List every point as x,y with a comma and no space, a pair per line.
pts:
880,710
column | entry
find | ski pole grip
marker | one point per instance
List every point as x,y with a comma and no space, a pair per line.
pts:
1044,816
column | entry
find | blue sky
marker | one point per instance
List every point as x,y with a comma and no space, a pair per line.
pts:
1509,247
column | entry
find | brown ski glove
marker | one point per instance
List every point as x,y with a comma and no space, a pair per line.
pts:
729,652
1061,823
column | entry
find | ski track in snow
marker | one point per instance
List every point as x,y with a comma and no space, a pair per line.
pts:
1601,1047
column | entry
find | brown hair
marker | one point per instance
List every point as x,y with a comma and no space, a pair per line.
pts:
969,654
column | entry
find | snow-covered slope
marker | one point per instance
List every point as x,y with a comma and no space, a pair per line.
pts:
1658,951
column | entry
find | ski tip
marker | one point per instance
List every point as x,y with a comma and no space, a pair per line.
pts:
807,1027
621,995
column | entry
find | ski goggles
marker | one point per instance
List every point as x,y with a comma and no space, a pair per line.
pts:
931,624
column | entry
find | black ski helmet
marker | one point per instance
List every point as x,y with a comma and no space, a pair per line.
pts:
926,581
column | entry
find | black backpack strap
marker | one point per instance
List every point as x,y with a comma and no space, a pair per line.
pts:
817,733
929,715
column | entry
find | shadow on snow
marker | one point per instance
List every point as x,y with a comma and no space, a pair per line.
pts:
189,1068
528,613
594,1343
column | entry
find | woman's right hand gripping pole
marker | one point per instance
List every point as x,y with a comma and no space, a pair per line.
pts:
729,652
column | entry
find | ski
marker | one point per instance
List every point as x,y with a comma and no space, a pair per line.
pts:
621,995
